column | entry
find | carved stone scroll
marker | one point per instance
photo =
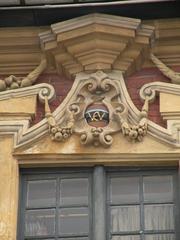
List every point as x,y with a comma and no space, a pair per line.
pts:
150,90
96,112
169,97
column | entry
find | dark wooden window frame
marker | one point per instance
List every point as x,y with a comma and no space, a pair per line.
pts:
99,178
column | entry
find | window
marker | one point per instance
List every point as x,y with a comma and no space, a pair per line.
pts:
99,204
56,206
142,206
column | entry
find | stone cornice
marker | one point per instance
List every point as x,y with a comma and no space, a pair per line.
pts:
21,52
98,42
110,159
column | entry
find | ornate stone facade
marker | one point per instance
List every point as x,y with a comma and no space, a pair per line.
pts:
97,123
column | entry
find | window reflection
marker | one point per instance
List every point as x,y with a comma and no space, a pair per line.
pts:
73,221
40,222
126,218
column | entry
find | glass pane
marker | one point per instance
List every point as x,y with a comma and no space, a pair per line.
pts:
40,222
131,237
41,193
73,220
160,237
158,188
159,217
74,191
124,190
74,238
126,218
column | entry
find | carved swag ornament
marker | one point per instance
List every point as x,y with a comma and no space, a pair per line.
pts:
95,110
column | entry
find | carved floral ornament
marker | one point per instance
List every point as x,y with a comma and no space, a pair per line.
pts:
96,111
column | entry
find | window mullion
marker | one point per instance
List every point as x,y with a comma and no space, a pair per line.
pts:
99,195
177,202
142,218
57,207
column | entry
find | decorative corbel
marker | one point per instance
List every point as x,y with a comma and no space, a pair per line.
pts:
13,82
168,72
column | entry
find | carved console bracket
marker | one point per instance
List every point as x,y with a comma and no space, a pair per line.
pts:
96,111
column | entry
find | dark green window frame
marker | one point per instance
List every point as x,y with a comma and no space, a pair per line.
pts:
141,205
99,202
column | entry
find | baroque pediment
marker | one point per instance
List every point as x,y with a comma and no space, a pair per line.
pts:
95,109
98,51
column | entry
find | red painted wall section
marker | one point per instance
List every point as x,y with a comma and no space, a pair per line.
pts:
137,80
61,84
134,84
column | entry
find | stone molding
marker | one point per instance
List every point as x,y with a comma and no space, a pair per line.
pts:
21,52
41,90
86,159
20,128
151,90
97,42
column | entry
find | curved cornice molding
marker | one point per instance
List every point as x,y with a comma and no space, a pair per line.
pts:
20,129
150,90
